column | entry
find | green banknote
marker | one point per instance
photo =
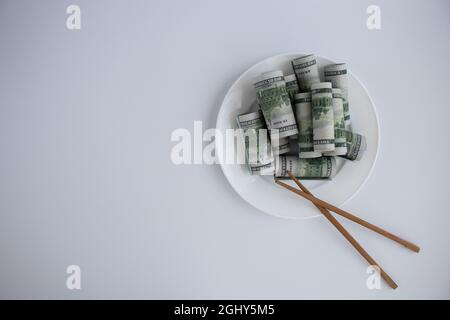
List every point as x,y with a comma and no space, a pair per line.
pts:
291,86
254,134
275,104
317,168
306,70
323,117
280,146
338,76
356,146
340,140
303,113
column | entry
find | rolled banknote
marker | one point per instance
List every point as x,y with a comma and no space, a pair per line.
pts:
291,86
292,89
258,152
275,104
340,140
317,168
338,76
280,146
356,146
306,70
303,113
323,118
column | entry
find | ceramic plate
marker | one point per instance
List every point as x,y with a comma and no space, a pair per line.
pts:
260,191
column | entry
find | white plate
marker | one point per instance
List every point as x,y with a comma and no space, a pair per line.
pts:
262,192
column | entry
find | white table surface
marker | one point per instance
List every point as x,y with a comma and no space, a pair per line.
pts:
86,176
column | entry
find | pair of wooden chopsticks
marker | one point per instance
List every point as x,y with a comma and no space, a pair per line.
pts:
325,208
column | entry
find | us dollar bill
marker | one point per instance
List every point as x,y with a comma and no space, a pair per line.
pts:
356,146
291,86
303,113
307,72
317,168
275,104
254,135
340,139
280,146
323,117
292,89
338,76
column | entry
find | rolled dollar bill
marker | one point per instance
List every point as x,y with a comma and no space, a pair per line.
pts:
338,76
340,140
280,146
303,113
356,146
254,135
291,86
275,104
306,70
317,168
323,118
292,89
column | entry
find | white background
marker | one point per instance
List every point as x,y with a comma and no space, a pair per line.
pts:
85,170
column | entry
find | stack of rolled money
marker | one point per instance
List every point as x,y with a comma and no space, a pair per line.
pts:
300,106
323,113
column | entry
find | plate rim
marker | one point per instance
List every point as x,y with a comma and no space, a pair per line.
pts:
377,119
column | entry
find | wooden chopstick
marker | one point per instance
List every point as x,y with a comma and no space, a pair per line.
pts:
353,242
348,215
